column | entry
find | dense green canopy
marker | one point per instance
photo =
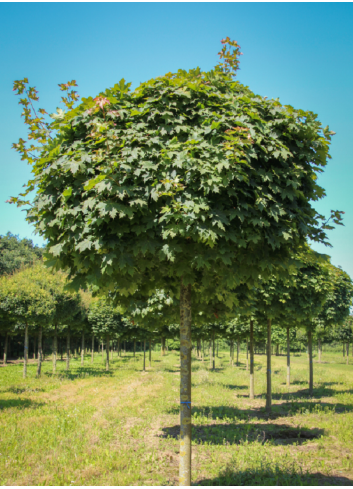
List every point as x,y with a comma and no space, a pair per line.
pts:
191,175
16,252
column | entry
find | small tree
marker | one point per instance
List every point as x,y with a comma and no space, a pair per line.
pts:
25,297
105,321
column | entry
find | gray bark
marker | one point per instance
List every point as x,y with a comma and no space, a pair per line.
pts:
252,382
83,349
5,349
55,347
40,352
144,355
68,349
247,354
107,353
25,357
311,366
185,386
288,359
269,386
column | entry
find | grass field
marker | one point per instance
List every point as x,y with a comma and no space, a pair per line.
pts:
92,427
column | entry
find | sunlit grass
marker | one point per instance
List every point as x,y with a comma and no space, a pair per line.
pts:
92,427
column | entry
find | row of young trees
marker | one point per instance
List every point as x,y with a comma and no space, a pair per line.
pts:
185,201
36,298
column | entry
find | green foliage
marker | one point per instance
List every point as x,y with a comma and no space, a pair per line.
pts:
344,332
105,319
24,296
337,305
191,175
298,297
16,252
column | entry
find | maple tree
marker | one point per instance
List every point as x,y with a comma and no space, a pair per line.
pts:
191,183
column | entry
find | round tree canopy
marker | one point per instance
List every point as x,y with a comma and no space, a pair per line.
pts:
191,175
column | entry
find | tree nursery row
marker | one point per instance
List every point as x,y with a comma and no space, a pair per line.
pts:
184,205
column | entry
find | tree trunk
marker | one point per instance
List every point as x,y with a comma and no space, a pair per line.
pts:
277,350
92,351
343,349
213,353
269,387
107,353
55,347
25,357
247,355
311,372
150,354
34,347
68,349
185,386
166,346
102,351
144,355
252,390
82,348
5,349
163,346
238,348
40,352
347,352
288,359
217,349
210,352
203,350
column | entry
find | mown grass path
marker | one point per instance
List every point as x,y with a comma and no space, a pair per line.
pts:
92,427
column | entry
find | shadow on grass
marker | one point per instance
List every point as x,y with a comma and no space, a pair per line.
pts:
235,387
281,410
80,373
19,403
318,392
272,476
215,433
21,390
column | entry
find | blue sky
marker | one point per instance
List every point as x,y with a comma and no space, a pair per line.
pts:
299,52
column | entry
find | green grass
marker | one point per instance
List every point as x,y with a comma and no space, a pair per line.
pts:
92,427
